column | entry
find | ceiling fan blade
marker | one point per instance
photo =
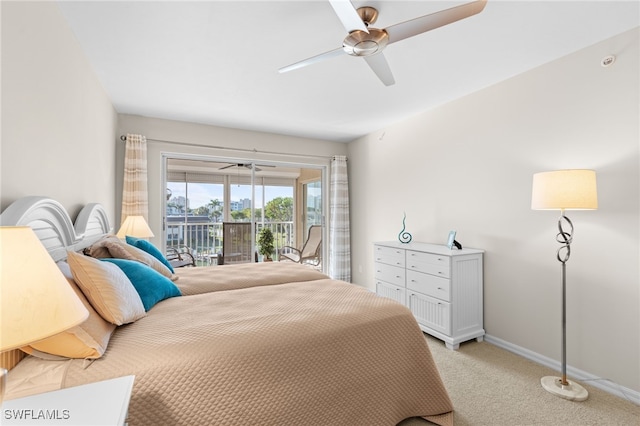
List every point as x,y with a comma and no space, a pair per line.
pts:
379,65
226,167
432,21
314,59
348,15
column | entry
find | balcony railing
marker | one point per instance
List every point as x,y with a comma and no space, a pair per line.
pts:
205,239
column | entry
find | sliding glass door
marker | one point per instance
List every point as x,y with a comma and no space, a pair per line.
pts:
204,194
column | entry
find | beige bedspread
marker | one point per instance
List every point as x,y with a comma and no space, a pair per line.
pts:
320,352
241,275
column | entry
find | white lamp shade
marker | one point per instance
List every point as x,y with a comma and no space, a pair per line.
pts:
135,226
564,190
35,297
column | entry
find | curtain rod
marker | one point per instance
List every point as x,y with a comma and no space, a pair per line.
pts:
254,150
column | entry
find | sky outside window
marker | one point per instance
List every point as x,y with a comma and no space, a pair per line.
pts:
201,194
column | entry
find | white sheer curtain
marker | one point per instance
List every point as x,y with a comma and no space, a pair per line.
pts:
339,240
135,198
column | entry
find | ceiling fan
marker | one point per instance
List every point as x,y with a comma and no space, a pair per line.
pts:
246,165
368,42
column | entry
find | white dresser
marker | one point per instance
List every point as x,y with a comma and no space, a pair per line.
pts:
441,287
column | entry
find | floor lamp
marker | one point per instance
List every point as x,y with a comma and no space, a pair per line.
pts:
564,190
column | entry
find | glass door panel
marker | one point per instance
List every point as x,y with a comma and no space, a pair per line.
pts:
313,204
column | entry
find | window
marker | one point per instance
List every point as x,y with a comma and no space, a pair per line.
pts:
201,195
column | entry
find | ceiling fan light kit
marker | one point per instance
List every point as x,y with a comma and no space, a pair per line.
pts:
365,41
359,43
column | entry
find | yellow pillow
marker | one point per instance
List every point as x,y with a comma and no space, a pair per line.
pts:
107,288
87,340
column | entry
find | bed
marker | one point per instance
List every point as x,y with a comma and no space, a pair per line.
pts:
268,343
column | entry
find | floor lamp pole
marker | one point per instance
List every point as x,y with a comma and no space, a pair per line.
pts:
561,386
563,379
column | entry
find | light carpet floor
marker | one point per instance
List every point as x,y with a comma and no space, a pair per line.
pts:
491,386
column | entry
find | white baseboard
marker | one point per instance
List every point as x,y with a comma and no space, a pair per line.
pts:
579,375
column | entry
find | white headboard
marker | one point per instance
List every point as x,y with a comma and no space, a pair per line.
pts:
53,225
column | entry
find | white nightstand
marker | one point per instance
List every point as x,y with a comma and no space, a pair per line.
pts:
100,403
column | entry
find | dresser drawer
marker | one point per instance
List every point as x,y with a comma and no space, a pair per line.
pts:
430,312
391,291
429,263
429,285
389,255
391,274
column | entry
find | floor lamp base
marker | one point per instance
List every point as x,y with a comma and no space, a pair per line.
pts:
572,391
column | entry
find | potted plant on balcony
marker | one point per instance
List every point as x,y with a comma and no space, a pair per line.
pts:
265,241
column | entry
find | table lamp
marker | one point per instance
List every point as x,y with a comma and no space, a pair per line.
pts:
36,300
135,226
564,190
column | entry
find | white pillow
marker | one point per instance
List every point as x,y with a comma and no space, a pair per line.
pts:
107,288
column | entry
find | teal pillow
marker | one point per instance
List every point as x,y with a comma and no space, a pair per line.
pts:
151,285
145,245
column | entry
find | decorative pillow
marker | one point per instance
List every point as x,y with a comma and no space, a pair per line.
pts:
99,249
149,248
87,340
107,288
118,249
150,285
112,246
147,259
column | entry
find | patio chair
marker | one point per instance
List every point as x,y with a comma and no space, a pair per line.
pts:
180,256
236,244
310,251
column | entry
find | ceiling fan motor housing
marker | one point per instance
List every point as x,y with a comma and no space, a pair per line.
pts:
359,43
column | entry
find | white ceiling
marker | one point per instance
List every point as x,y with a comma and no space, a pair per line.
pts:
216,62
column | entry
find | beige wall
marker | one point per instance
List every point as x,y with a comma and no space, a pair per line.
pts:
58,125
468,166
297,150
